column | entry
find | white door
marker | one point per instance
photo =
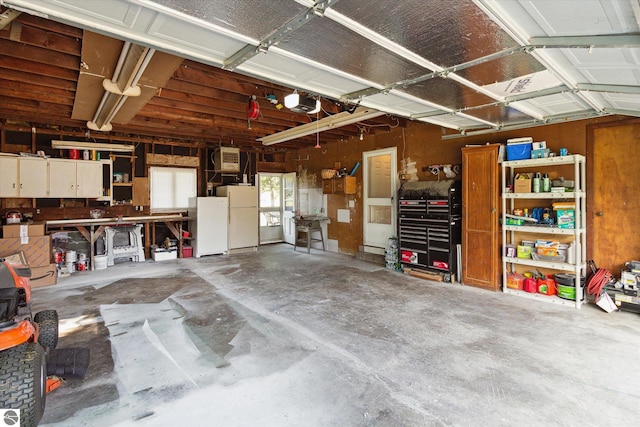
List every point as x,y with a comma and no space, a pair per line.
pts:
289,191
277,205
270,207
379,172
88,179
62,178
9,185
34,177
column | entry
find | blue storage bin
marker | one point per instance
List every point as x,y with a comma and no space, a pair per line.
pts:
519,151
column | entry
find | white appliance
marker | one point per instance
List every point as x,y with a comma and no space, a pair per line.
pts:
208,225
243,215
226,159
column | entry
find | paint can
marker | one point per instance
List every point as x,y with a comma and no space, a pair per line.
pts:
71,267
70,256
100,262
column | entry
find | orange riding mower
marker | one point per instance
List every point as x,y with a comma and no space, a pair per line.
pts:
30,364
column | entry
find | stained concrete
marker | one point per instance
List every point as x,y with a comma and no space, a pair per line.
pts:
284,338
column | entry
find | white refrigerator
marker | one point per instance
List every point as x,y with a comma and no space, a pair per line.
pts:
243,218
208,225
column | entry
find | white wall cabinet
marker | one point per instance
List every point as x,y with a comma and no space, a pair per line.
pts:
23,177
75,178
9,184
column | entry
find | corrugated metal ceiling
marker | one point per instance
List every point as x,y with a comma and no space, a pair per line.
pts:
468,65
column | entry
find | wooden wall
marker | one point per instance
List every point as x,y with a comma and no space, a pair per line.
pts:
423,143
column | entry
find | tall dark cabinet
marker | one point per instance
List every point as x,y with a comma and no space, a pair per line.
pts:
480,217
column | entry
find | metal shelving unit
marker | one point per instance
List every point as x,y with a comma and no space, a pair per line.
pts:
578,196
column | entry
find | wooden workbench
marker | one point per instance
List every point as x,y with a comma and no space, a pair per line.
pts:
173,223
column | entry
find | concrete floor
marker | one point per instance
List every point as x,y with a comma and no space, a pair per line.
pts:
283,338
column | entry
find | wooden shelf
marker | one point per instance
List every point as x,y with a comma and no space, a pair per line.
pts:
123,184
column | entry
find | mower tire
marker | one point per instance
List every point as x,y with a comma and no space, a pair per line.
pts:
47,321
23,382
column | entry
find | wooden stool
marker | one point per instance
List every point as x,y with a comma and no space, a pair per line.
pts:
308,228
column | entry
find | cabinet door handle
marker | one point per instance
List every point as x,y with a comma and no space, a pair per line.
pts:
14,185
600,213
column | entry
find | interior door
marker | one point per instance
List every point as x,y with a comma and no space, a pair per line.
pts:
289,192
480,215
270,207
379,173
612,220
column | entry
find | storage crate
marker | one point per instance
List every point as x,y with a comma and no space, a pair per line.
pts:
519,151
164,255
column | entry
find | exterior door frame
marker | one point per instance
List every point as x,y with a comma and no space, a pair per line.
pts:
368,245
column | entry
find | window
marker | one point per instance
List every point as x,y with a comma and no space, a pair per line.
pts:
171,188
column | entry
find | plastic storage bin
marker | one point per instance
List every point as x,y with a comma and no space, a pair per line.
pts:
519,151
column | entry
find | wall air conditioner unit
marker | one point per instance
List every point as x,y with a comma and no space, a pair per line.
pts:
226,159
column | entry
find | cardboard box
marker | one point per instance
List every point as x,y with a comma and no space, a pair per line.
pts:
37,252
17,230
44,276
522,183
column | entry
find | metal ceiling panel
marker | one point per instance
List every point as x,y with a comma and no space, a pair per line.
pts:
607,66
254,18
503,69
622,101
448,93
500,115
297,73
399,103
570,17
453,121
444,33
327,42
561,103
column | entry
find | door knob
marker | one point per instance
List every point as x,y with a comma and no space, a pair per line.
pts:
600,213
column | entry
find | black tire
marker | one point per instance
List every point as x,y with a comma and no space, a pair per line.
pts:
23,382
47,321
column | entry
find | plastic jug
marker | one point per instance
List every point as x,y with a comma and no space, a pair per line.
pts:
530,285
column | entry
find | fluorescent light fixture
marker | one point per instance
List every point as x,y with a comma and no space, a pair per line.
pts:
327,123
132,62
79,145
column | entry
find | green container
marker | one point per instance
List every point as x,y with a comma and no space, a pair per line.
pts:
565,286
566,292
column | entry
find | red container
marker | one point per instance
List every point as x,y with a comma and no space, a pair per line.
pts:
74,154
187,252
547,285
530,285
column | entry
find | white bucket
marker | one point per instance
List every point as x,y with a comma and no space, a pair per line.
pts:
70,256
100,262
71,266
